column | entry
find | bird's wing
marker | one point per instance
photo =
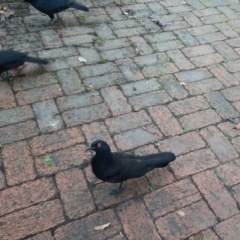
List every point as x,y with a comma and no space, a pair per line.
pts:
11,56
129,166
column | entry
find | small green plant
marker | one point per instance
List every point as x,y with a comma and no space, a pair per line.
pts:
151,189
49,161
185,130
55,75
234,29
178,116
211,107
161,87
197,130
82,17
225,61
103,60
156,144
98,41
1,145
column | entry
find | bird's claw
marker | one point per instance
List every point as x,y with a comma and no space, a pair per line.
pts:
115,191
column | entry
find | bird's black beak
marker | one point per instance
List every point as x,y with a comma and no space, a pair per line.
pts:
89,148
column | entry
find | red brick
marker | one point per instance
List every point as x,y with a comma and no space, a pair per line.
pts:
236,192
165,120
236,143
129,32
180,60
131,188
70,81
31,220
194,162
219,144
42,236
62,159
115,54
228,173
226,30
203,86
97,130
136,221
129,69
169,45
228,129
59,140
137,137
78,101
84,115
226,51
232,94
35,81
74,193
176,226
184,35
2,180
15,115
216,195
84,228
7,99
38,94
207,60
127,121
188,105
232,66
207,234
229,229
141,45
76,30
116,101
25,195
18,163
149,99
200,119
182,144
171,197
146,60
78,39
198,50
213,19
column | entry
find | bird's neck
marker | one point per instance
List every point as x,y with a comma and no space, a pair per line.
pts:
105,157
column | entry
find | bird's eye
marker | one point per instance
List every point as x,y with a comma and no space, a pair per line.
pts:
99,145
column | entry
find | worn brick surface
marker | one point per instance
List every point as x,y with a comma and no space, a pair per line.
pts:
184,226
171,197
143,89
77,200
219,144
25,195
18,163
219,199
165,120
24,223
194,162
58,140
143,229
229,229
182,144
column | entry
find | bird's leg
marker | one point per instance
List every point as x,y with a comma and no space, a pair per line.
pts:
116,191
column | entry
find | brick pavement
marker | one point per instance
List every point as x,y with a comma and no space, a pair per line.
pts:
143,90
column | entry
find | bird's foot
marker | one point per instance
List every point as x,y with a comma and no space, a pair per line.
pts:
115,191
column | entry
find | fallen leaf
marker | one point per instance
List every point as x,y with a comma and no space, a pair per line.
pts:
82,59
238,126
102,227
181,213
159,20
89,87
183,84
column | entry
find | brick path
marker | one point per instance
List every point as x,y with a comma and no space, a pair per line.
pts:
143,90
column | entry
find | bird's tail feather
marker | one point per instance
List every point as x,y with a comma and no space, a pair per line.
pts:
35,60
79,6
160,160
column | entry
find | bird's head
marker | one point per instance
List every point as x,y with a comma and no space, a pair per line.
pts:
99,146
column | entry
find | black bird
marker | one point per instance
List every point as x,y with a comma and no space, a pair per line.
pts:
12,59
119,166
50,7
